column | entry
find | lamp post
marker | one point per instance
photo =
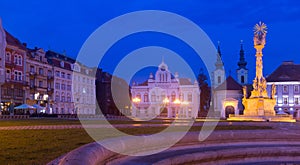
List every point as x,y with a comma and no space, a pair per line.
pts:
136,102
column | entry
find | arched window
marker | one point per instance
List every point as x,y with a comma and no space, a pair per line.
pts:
146,97
138,95
190,97
7,57
153,97
181,96
173,96
20,60
20,76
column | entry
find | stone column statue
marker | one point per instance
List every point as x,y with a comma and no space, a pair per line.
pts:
273,91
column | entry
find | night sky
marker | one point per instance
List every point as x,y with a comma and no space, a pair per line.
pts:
65,25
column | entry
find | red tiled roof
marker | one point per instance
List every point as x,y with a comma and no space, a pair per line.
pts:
229,84
11,40
287,71
185,81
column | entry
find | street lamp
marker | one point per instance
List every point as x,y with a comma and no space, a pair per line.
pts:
136,101
177,103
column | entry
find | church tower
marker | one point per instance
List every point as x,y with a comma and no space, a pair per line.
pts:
242,71
218,73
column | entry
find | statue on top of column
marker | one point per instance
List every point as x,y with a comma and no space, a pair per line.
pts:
260,32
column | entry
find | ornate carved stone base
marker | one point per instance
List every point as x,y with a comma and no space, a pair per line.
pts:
259,106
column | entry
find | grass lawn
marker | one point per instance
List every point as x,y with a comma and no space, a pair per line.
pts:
42,146
48,121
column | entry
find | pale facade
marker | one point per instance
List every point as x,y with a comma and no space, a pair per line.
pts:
165,96
62,93
287,83
84,89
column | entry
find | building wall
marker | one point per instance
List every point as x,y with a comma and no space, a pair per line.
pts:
84,90
287,97
39,77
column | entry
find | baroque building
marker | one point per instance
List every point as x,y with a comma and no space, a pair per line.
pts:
166,96
83,89
39,77
62,93
13,90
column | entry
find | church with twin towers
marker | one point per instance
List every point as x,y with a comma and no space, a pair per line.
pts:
231,103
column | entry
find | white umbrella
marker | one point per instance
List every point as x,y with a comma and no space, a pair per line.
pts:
25,106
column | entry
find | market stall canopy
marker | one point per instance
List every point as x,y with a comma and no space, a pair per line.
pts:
25,106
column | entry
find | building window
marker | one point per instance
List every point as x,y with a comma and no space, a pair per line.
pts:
20,60
181,97
146,97
16,59
32,69
63,99
62,74
285,89
296,88
41,71
40,84
20,76
242,79
16,76
190,97
69,87
57,98
68,76
297,100
49,73
153,97
68,99
173,96
31,83
57,74
285,100
7,57
7,74
57,86
63,86
219,79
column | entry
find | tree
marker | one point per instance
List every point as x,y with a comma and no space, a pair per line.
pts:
205,94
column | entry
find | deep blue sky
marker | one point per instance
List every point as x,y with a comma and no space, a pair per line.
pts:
65,25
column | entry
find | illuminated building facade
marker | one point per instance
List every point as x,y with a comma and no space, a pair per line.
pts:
166,96
287,81
62,93
83,89
40,80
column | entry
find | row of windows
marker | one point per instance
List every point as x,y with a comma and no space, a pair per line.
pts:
62,86
285,100
17,75
62,75
13,92
83,79
286,88
17,58
154,98
62,99
40,71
